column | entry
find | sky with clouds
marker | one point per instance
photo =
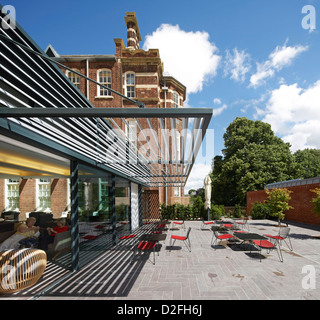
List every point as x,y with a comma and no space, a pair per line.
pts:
252,58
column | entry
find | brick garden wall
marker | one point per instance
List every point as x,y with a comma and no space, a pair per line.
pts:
300,201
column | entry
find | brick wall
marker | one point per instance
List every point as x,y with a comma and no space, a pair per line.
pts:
59,196
27,197
300,201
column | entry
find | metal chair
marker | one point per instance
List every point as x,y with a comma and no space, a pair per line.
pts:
265,244
282,236
216,236
243,224
205,223
180,223
185,239
146,246
126,242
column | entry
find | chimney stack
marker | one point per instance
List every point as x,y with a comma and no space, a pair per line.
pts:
133,33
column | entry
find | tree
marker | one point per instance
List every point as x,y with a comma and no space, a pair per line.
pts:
308,161
278,202
316,200
253,157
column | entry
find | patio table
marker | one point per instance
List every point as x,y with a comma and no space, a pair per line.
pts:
248,237
153,237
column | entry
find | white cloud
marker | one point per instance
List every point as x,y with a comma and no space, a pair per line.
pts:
196,177
216,112
189,56
294,114
217,101
278,59
237,65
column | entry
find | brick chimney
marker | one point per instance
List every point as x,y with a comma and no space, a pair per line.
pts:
133,33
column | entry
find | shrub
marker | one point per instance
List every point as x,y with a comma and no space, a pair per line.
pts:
198,208
217,211
237,211
260,210
180,211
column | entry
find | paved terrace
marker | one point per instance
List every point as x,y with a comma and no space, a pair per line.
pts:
206,273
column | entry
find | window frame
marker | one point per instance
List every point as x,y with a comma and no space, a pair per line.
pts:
76,84
130,85
8,205
39,204
177,190
175,99
108,84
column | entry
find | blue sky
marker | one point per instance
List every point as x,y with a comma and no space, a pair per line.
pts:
243,58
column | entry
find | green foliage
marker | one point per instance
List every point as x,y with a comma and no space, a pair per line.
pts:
237,211
217,211
253,157
278,201
260,210
181,212
308,161
316,200
198,210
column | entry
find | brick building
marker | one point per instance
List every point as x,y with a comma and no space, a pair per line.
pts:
300,199
131,71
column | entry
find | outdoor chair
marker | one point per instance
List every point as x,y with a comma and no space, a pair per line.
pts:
160,227
282,236
61,243
205,223
216,236
265,244
243,224
126,242
185,239
20,269
145,246
179,223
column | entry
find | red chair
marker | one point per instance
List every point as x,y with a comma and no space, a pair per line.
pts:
243,224
265,244
126,242
180,223
282,236
146,246
205,223
129,236
216,236
185,239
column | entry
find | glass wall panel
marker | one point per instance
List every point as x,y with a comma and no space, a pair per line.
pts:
104,211
95,212
122,202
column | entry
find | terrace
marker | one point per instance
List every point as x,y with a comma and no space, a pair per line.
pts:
44,116
222,271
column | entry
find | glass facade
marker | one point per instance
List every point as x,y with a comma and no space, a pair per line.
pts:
104,211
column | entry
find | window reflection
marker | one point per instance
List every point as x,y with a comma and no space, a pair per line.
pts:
104,210
122,193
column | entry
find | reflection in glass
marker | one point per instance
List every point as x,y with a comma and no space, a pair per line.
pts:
122,193
100,223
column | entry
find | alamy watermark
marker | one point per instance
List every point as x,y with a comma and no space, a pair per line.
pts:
308,22
309,280
8,21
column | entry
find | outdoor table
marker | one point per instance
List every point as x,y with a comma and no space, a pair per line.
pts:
153,237
248,236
